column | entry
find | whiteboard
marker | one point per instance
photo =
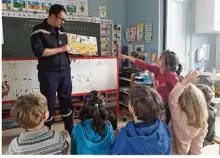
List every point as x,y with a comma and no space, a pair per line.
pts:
86,75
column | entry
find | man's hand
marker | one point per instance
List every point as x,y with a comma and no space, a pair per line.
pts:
66,48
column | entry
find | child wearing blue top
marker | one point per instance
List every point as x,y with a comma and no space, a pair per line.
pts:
94,135
146,135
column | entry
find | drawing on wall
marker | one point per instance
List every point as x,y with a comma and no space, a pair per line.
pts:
102,11
6,4
116,36
153,55
83,7
140,31
71,6
83,44
139,48
148,32
46,4
34,5
19,5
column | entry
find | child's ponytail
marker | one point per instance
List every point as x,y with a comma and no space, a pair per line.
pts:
179,69
99,117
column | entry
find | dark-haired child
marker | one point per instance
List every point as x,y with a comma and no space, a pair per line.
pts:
146,135
211,137
95,96
166,75
94,135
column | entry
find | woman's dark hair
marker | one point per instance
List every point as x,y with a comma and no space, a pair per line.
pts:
147,103
94,109
171,62
56,9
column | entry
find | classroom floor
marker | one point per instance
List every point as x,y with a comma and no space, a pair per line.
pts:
8,135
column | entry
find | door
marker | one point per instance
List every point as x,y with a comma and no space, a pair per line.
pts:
177,32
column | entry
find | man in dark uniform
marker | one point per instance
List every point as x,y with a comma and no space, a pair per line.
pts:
49,45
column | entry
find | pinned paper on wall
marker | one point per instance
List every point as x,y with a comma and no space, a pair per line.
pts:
140,31
71,6
34,5
19,5
139,48
83,7
116,36
153,55
148,32
117,28
131,34
46,4
58,2
102,11
6,4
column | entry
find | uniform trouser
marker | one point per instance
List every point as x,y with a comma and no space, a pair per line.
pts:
57,81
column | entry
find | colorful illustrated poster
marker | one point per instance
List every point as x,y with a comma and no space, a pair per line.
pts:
34,5
6,4
83,44
19,5
71,6
140,31
46,4
83,7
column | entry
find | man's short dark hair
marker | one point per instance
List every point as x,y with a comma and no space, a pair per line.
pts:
56,9
147,103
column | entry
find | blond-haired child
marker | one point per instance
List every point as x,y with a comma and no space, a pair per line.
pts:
188,117
30,111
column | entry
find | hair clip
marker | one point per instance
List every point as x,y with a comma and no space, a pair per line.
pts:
97,105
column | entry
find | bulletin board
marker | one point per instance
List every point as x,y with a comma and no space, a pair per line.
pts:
86,73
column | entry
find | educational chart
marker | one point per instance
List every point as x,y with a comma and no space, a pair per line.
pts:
86,74
73,7
83,44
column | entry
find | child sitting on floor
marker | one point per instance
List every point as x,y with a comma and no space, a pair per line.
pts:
30,111
211,137
5,89
94,135
146,135
92,97
189,115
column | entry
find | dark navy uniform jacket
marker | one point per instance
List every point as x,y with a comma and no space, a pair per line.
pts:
45,36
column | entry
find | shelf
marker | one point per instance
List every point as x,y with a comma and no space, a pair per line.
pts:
149,83
123,104
125,79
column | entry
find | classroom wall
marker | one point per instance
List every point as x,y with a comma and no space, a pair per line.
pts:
198,40
146,11
115,10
